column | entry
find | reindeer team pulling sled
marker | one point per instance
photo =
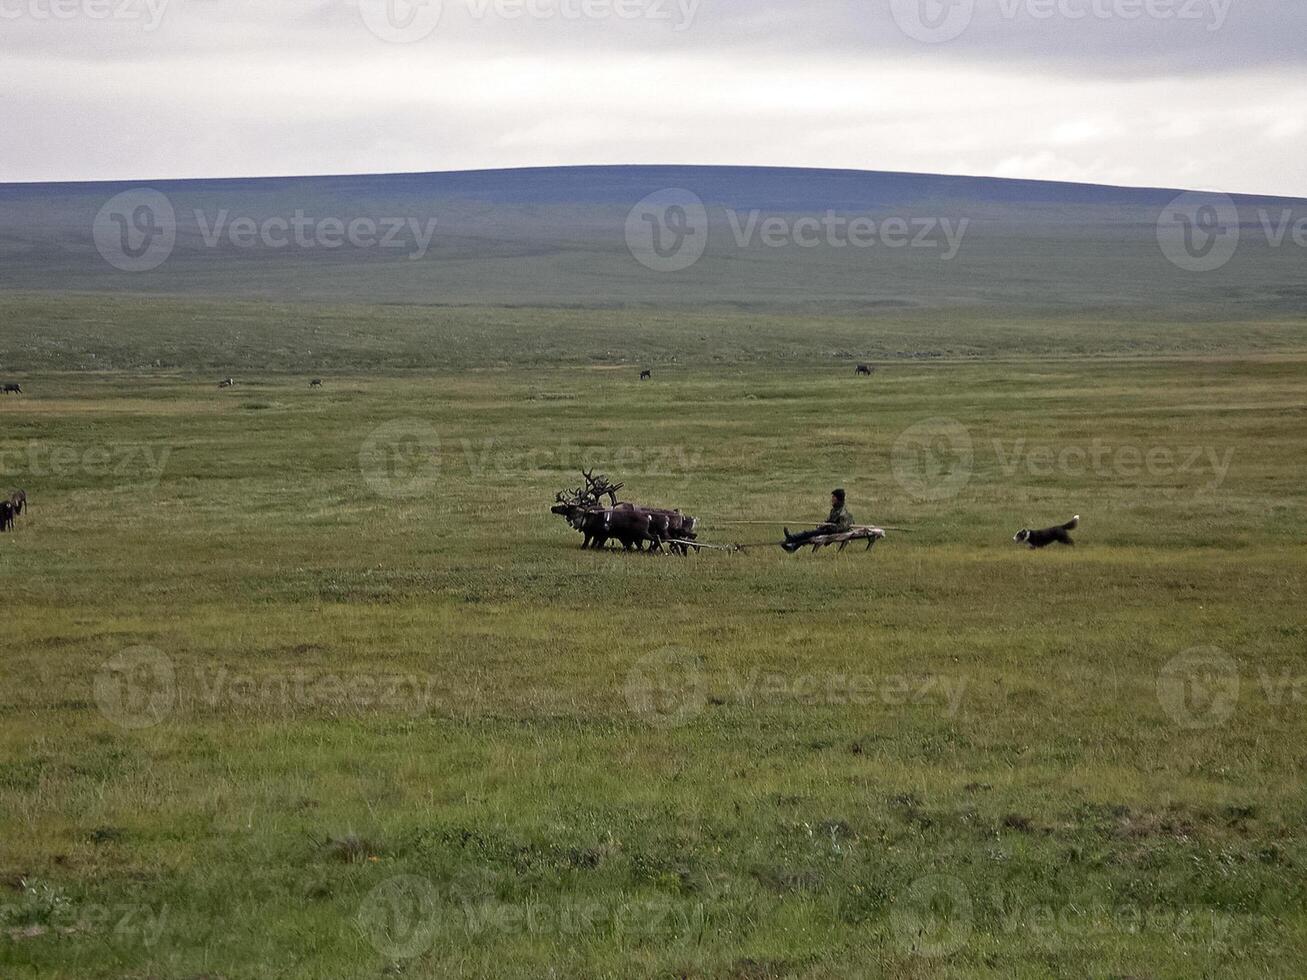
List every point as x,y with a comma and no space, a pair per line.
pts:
595,512
630,525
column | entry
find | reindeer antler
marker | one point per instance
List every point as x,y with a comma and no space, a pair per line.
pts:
599,486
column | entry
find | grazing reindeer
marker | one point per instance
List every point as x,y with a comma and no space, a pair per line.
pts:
866,369
18,501
646,375
315,383
227,383
13,389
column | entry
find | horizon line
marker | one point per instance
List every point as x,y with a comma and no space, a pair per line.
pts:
645,166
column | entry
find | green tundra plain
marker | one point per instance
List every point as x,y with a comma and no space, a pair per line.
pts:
309,683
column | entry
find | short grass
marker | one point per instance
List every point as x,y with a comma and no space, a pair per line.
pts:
387,720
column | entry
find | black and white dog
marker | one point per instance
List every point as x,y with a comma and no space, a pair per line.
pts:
1049,535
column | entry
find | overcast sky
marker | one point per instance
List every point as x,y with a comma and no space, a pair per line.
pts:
1205,94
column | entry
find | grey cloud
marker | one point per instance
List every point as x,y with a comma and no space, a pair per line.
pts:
1119,37
243,87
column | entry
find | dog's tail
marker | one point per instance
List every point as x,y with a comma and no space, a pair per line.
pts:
1072,524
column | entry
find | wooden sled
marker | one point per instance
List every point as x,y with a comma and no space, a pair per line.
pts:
843,538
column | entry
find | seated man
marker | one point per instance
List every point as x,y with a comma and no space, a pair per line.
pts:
839,519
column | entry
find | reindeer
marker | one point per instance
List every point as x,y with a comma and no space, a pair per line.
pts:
315,383
583,516
13,389
646,375
6,516
582,507
227,383
632,526
866,369
18,501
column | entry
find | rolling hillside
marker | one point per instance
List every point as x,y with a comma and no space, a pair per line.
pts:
776,239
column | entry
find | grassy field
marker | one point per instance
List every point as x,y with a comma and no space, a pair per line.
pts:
309,683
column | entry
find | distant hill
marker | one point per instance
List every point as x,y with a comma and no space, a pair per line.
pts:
766,238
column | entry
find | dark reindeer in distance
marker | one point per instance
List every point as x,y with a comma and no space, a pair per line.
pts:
13,389
646,375
866,369
315,383
6,516
227,383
